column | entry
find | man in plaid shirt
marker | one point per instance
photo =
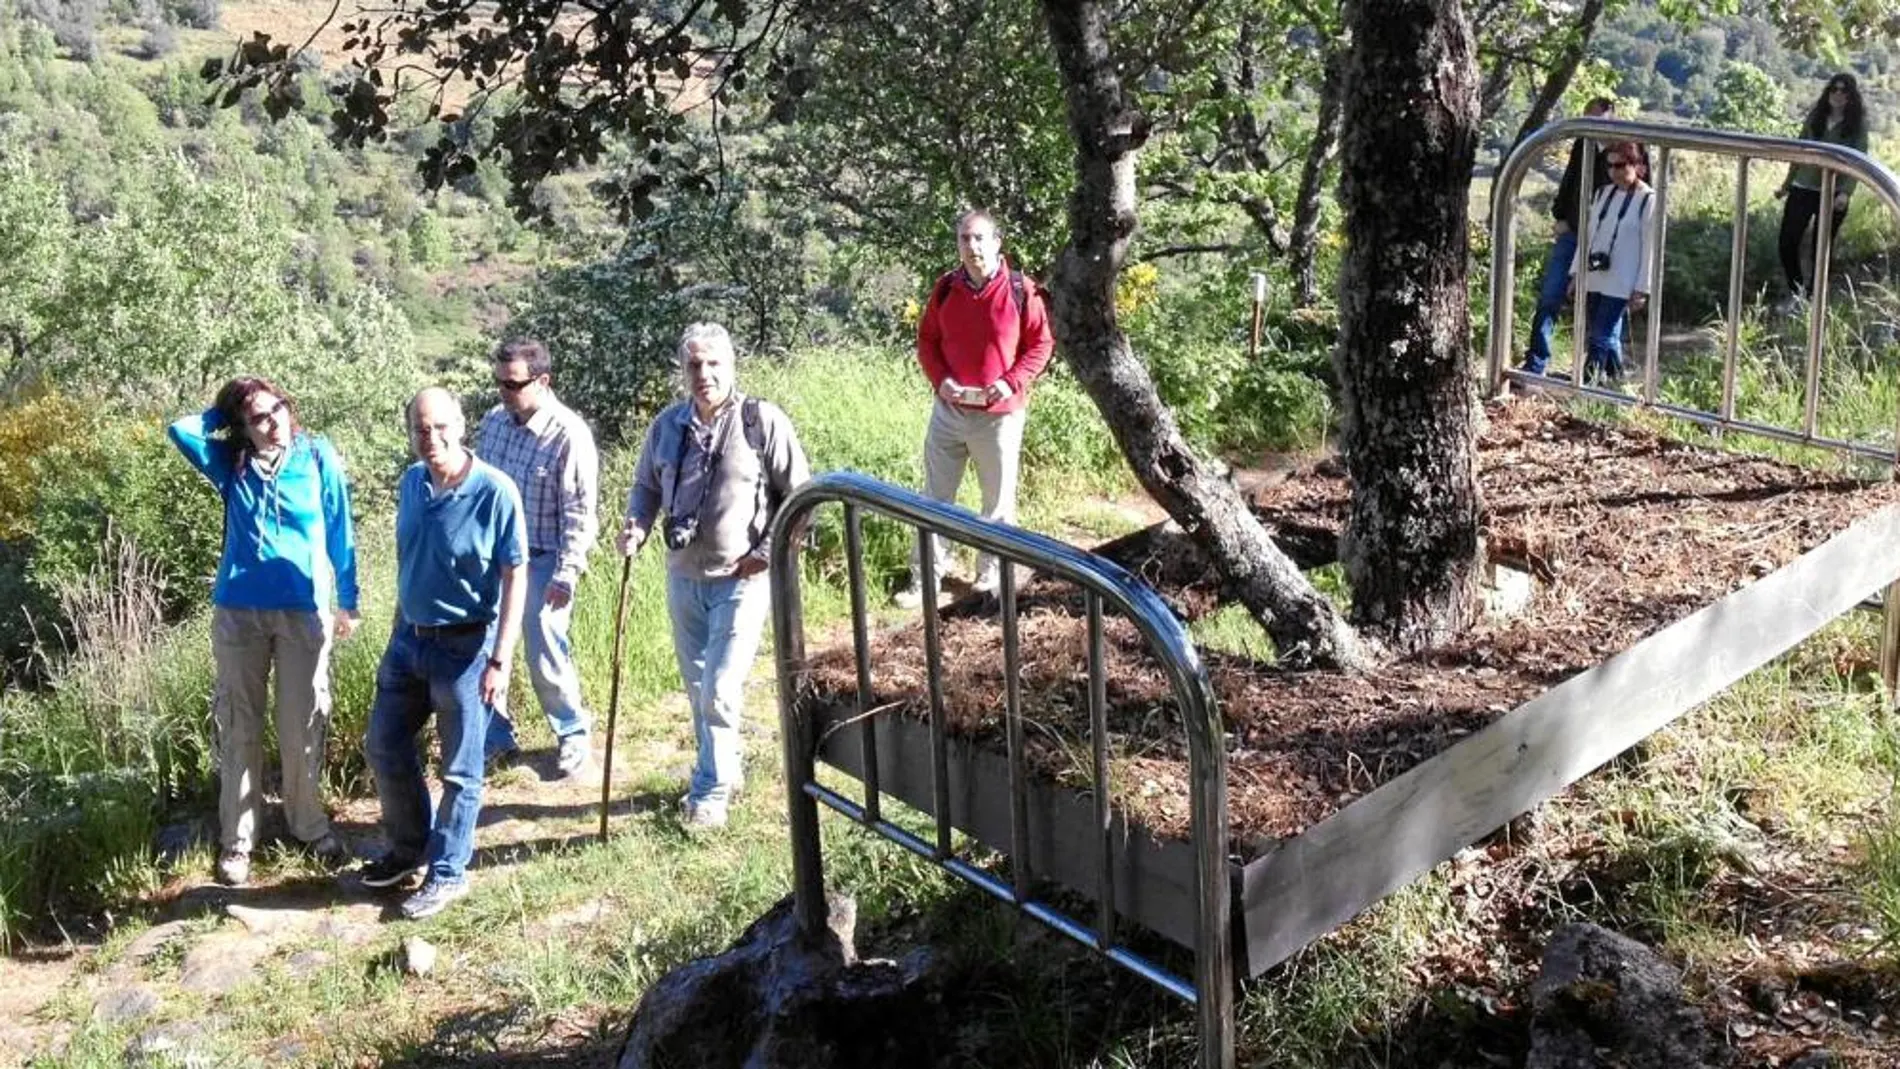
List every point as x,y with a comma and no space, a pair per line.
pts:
549,452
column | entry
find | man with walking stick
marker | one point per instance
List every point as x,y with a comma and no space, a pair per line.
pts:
717,465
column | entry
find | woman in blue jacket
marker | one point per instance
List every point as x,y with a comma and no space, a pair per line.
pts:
286,587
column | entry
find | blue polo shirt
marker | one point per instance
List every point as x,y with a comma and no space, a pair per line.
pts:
451,547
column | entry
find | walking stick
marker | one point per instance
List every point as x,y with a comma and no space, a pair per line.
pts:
613,694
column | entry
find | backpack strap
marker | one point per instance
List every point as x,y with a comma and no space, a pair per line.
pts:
1018,291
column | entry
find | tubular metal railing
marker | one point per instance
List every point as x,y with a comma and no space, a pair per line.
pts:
1746,148
1103,583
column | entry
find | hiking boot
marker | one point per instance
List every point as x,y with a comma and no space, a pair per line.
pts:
330,851
387,871
234,868
576,757
435,896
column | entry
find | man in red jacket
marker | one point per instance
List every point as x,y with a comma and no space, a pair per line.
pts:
983,338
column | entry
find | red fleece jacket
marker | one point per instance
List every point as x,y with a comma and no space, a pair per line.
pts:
977,336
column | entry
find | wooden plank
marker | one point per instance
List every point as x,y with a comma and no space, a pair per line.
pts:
1154,879
1320,879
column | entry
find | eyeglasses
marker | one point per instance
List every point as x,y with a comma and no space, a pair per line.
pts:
1614,164
263,419
516,386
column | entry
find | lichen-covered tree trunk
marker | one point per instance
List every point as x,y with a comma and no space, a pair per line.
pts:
1108,133
1411,548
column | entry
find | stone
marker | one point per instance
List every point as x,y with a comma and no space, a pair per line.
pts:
153,939
1818,1058
305,962
122,1004
1508,592
220,964
778,1000
418,956
264,921
173,1045
1606,1000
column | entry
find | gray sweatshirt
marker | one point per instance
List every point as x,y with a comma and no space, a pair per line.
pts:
713,471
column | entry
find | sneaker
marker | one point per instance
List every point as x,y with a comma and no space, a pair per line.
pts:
234,868
387,871
329,850
435,896
702,816
576,757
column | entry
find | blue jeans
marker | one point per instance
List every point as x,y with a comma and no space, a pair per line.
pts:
557,684
419,677
1550,300
716,627
1603,336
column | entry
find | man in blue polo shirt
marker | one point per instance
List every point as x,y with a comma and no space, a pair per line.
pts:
461,576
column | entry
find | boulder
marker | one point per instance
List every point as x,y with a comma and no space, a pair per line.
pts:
1605,1000
777,1000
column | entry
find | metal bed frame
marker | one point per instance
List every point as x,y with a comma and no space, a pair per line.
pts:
1212,989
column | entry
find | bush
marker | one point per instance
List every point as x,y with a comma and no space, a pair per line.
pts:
197,14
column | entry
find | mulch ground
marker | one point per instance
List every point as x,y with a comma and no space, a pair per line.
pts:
1625,531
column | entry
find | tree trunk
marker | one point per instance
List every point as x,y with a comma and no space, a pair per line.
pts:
1108,133
1304,245
1557,82
1411,547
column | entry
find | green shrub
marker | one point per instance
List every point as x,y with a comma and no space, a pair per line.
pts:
75,842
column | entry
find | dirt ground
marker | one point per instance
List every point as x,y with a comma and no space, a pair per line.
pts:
1625,532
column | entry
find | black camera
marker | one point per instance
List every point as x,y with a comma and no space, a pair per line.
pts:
1599,261
679,533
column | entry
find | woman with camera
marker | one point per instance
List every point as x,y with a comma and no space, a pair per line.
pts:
286,586
716,464
1622,234
1839,119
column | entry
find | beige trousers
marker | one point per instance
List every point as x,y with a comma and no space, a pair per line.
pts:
958,438
247,645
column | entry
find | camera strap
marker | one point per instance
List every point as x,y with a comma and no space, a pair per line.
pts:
708,463
1616,231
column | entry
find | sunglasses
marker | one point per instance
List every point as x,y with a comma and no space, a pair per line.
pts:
263,419
516,386
1621,163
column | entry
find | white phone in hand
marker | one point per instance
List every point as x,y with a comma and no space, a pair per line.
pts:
972,396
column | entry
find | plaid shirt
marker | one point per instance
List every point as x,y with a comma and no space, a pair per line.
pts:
552,460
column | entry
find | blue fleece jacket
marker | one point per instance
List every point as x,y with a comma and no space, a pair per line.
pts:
288,540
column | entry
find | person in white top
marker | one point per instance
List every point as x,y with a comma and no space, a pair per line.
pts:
1617,263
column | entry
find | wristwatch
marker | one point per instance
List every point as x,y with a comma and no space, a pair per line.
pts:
497,663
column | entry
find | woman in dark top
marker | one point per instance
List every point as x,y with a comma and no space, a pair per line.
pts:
1837,118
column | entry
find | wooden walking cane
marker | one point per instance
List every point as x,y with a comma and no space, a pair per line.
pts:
613,694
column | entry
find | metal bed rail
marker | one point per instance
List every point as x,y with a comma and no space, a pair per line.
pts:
1833,160
1104,584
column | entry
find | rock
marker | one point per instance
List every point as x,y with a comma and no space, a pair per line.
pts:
1605,1000
1818,1058
152,940
1507,591
220,964
305,962
778,1001
173,1045
418,956
122,1004
264,921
